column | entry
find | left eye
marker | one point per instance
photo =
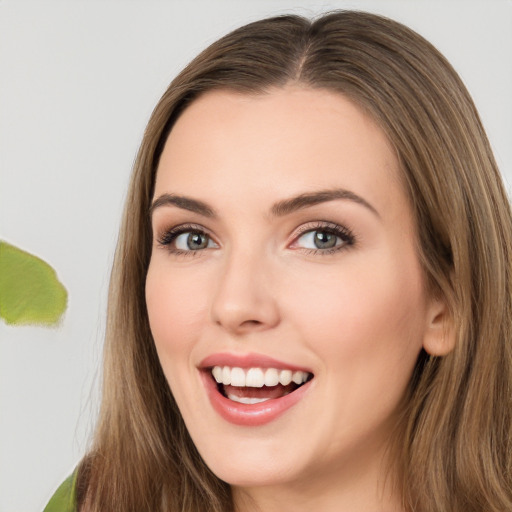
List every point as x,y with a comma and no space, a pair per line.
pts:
193,241
319,239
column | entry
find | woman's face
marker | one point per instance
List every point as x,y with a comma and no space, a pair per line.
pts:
284,250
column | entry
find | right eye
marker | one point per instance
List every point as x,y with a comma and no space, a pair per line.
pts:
193,241
186,239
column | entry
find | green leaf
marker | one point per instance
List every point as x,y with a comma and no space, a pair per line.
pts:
64,498
30,293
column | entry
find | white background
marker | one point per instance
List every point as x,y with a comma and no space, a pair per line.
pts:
78,81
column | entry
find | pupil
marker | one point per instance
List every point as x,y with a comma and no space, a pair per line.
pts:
197,241
324,240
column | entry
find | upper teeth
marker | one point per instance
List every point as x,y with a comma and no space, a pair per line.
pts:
257,377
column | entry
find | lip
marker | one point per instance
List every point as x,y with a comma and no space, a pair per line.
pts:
245,414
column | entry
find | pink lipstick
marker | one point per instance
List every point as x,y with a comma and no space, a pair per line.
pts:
253,389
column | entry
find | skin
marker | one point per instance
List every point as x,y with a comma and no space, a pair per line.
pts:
356,317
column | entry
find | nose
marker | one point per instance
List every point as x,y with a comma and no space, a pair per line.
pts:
245,299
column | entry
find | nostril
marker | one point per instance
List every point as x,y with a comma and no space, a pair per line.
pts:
251,323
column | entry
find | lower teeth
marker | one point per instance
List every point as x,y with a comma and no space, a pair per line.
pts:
246,400
240,395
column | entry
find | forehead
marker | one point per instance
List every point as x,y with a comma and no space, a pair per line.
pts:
277,144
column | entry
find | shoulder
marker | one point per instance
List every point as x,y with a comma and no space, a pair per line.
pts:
64,498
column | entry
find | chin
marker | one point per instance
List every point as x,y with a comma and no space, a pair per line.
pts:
261,472
256,457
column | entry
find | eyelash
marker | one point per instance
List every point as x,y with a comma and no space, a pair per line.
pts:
344,234
169,237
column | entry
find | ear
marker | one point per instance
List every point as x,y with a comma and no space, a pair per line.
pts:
439,337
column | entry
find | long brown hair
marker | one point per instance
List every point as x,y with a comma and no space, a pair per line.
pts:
455,440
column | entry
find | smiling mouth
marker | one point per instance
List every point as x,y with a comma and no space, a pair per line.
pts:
256,385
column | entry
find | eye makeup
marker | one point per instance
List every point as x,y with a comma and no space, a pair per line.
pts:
197,240
322,237
319,237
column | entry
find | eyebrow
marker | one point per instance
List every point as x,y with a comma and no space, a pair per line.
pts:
279,209
185,203
308,199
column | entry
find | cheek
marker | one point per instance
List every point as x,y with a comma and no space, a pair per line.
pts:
176,300
366,331
175,312
371,312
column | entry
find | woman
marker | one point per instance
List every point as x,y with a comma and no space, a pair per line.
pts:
311,303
